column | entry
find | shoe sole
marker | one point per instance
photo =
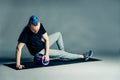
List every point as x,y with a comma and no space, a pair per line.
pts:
89,56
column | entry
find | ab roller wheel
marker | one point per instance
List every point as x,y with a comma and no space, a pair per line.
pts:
39,60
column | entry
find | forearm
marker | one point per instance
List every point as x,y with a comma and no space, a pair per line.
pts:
47,47
18,56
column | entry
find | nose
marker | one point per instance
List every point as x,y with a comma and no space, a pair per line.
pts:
35,31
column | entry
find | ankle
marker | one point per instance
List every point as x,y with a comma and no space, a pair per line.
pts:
81,56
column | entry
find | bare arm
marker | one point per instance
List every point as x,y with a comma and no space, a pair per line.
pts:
46,38
18,55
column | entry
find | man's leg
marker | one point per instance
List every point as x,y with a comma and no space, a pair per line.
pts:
57,37
63,55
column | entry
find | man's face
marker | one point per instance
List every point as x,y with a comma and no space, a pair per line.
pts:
34,29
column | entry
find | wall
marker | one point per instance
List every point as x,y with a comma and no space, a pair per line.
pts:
85,24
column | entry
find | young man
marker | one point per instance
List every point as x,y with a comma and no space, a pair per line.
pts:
37,41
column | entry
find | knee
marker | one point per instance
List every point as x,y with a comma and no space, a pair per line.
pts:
58,33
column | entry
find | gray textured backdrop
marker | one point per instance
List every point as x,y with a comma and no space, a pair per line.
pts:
85,24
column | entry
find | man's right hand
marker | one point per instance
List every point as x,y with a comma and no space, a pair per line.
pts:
20,66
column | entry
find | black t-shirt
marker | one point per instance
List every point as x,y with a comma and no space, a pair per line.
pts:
33,41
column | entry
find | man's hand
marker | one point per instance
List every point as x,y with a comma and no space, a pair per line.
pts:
46,57
20,66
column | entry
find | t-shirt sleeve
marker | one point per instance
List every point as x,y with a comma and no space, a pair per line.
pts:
23,37
42,29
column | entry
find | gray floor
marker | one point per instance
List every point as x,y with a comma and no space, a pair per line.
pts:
107,69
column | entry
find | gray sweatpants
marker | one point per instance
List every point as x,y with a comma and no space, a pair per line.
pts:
59,53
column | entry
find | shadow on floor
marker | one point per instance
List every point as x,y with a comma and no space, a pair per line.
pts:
30,64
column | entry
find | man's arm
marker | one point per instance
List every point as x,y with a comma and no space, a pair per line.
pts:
46,38
18,55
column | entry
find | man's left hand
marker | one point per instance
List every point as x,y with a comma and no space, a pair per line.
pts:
46,57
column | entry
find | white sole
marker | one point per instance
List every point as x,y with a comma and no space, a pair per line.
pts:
89,56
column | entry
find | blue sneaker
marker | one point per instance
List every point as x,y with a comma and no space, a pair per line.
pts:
87,55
